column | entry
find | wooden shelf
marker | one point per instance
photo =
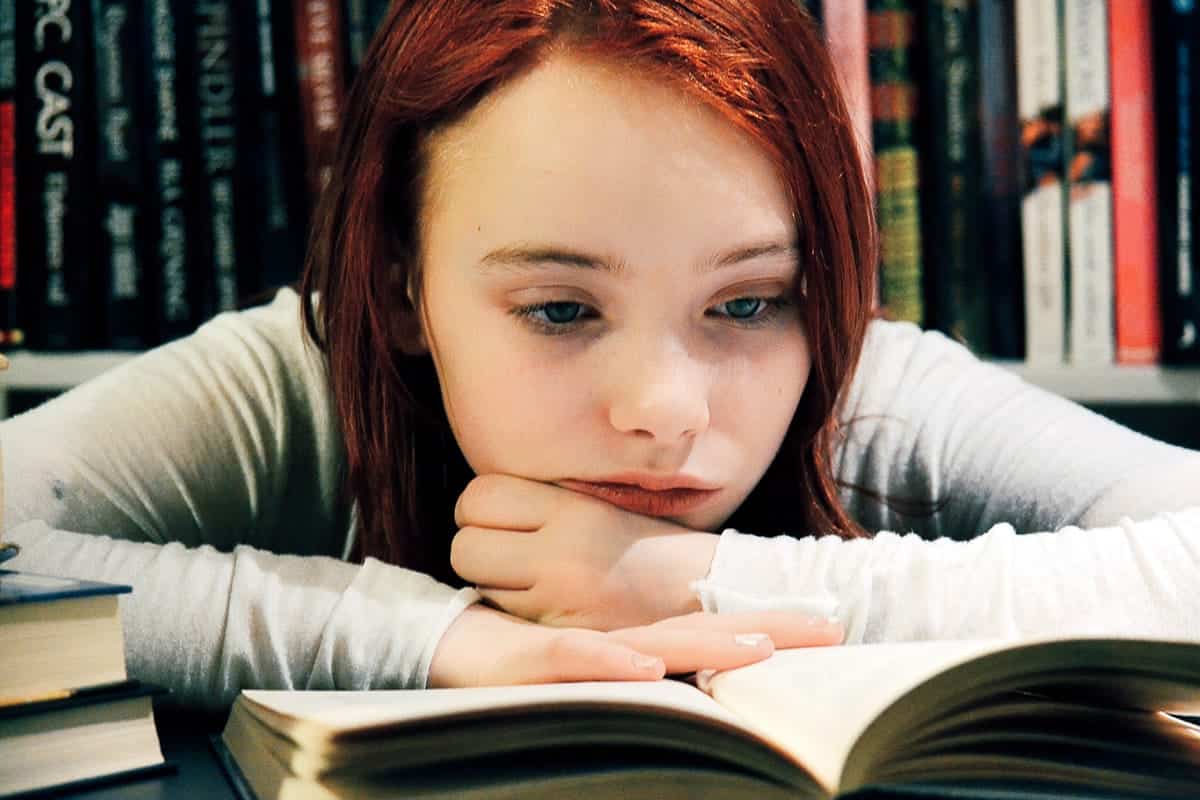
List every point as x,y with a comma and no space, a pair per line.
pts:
1097,385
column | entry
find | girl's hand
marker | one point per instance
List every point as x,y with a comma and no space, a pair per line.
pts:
485,647
561,558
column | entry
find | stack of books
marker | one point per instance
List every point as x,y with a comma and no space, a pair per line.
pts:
69,715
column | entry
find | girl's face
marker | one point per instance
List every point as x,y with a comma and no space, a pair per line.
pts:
608,270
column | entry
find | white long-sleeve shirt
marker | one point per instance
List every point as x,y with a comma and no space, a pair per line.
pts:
206,474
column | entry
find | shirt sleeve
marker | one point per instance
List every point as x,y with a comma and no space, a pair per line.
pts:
957,445
1133,578
206,475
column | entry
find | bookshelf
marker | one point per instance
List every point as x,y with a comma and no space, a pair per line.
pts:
1110,385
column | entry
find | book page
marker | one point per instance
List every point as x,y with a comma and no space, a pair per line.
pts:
815,702
312,718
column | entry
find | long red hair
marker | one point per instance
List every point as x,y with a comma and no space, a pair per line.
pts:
760,63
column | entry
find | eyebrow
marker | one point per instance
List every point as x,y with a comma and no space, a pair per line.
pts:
523,257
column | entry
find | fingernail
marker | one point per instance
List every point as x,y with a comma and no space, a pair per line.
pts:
703,677
825,621
751,639
648,663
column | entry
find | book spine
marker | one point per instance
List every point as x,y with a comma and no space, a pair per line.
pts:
1043,205
357,16
954,288
1000,188
54,163
320,62
1134,188
215,90
1177,77
845,29
12,334
169,228
119,174
1089,179
890,30
272,224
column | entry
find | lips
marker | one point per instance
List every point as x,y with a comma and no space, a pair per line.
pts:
663,498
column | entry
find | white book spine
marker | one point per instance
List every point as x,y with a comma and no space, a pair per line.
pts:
1092,339
1043,203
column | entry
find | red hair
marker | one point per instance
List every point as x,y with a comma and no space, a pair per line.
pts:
759,63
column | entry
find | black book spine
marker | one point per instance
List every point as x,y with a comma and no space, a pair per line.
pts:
120,186
169,233
270,218
214,89
11,333
950,160
54,164
1000,190
1177,79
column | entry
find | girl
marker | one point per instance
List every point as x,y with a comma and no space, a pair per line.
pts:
591,284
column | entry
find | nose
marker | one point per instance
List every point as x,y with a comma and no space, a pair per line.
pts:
662,395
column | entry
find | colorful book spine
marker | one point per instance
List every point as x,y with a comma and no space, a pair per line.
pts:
1134,186
890,29
54,166
1043,201
1177,79
12,334
1000,187
845,28
320,62
169,229
954,280
357,16
119,174
1091,339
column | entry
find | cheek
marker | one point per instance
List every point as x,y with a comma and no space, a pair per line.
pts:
778,374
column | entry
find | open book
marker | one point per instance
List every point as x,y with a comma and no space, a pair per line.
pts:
1065,713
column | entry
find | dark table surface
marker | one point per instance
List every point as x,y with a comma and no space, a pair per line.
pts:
185,742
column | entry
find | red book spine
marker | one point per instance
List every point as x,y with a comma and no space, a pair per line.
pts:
845,26
1135,194
320,59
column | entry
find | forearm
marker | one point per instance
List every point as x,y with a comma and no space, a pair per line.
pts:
1131,578
207,624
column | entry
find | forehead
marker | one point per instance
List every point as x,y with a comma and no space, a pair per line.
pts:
579,152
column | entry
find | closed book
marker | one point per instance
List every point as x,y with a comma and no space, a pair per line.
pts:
271,215
1000,187
844,24
955,295
121,187
1134,184
59,634
1091,334
1177,76
1043,197
12,334
170,223
1068,717
206,34
891,29
55,164
78,742
320,64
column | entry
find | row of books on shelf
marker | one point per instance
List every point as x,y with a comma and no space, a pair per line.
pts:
1031,162
159,158
1033,170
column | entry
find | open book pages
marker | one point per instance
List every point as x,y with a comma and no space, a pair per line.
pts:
804,723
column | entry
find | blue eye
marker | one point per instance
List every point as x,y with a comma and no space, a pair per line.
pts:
562,313
744,307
